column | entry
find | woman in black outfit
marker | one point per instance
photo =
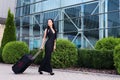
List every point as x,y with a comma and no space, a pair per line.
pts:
50,45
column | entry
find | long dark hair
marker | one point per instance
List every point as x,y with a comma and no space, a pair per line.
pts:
52,25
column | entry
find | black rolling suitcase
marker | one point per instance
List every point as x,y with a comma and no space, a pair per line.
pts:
21,65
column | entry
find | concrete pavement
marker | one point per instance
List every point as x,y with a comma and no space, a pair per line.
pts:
32,74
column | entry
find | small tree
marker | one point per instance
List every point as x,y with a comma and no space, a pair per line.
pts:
10,30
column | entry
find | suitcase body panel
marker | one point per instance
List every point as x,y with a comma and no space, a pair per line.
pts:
21,65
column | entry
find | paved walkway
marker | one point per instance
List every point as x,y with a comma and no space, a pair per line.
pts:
32,74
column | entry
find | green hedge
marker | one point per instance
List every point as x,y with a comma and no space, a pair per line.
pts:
39,57
107,43
65,54
0,54
13,51
95,59
117,58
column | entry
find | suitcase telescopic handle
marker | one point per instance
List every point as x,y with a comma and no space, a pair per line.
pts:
37,54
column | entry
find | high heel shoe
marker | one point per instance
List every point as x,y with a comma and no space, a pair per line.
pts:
51,73
41,72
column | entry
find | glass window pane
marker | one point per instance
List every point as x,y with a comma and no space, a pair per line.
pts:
73,12
114,24
26,10
91,22
25,34
91,8
19,3
17,21
26,20
113,5
17,14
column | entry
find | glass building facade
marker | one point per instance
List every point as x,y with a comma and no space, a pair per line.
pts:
83,22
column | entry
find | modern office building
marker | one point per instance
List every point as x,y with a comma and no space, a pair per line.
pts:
83,22
5,5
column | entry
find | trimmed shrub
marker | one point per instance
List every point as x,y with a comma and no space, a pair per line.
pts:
39,57
117,40
95,59
84,58
9,31
13,51
107,43
117,58
65,54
